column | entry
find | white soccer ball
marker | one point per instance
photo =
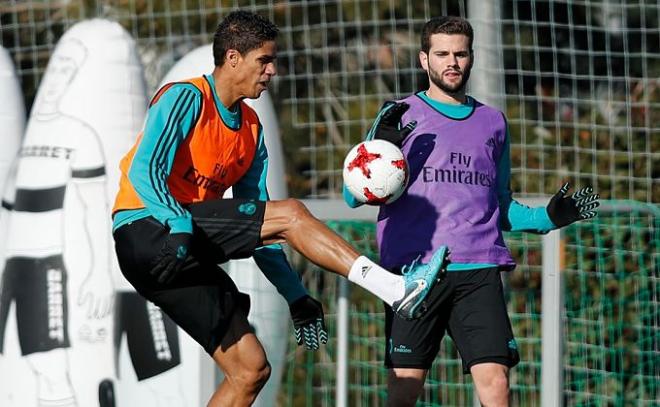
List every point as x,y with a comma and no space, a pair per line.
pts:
375,172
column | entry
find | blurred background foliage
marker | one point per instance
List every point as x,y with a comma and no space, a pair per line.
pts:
580,78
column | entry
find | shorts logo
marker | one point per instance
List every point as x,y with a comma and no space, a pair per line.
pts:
512,344
248,208
399,348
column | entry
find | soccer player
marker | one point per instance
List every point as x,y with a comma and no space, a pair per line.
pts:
459,196
171,227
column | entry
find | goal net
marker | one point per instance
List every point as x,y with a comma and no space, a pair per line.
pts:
611,326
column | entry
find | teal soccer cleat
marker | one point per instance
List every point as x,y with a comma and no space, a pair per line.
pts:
419,278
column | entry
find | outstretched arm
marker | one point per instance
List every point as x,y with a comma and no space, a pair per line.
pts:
515,216
561,210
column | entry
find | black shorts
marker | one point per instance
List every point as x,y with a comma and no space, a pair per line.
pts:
470,307
202,298
151,336
39,286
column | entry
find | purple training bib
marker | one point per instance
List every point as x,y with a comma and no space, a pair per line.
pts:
451,198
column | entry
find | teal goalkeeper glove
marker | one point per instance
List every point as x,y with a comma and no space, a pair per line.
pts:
308,322
564,210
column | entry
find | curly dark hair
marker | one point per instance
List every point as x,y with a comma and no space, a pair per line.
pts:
445,25
242,31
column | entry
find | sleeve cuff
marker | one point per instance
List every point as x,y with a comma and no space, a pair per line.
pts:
544,218
181,224
524,218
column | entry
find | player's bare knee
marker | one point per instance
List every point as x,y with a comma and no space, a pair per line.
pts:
254,378
264,373
499,384
494,390
297,212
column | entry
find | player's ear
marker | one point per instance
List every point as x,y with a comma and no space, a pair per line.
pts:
424,60
232,56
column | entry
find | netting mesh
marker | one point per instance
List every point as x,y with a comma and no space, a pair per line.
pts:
611,268
612,300
582,94
578,79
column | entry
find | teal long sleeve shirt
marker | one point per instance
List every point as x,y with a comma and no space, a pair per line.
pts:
168,123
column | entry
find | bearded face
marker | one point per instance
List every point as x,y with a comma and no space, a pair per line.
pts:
450,80
448,63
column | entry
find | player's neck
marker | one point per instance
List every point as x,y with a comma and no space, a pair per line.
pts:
441,96
225,88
